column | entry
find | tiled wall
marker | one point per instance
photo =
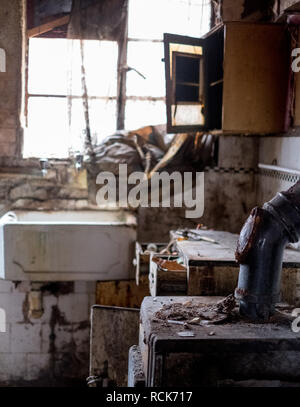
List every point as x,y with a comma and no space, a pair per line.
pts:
283,152
53,349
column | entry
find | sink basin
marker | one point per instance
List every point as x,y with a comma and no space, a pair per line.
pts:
67,245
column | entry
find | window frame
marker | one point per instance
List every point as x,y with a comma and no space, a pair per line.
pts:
121,98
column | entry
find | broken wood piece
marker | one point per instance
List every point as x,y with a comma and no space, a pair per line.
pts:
44,28
194,321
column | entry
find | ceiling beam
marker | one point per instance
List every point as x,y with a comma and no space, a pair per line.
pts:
44,28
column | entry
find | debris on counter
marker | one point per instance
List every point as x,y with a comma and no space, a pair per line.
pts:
205,322
170,321
201,314
195,235
186,334
194,321
227,305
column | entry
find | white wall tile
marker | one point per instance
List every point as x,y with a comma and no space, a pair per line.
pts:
26,338
6,286
37,365
5,340
13,366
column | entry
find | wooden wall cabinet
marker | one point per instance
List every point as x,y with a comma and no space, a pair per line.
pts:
243,79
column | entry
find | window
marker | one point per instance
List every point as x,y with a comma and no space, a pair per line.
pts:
54,95
147,23
55,114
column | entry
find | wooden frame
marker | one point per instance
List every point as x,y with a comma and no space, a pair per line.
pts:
174,70
246,79
178,39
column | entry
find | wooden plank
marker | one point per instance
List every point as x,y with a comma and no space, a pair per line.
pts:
44,28
212,280
222,281
113,331
169,278
256,66
290,5
122,293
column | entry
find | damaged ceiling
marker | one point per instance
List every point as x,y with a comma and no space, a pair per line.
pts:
87,19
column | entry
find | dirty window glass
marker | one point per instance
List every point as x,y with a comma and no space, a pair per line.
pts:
147,22
54,75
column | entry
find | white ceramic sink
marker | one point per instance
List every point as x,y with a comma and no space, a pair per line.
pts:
67,245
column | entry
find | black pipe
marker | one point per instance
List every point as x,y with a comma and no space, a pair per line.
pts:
262,241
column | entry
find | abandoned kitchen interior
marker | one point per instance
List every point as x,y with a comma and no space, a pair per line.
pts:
149,193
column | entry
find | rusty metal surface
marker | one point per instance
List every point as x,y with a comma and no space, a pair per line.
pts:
248,234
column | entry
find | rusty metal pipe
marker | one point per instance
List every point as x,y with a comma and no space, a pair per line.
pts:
262,241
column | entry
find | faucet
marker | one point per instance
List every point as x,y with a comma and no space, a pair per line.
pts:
44,165
260,248
78,161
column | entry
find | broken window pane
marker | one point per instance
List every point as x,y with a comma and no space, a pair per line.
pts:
143,113
150,19
146,58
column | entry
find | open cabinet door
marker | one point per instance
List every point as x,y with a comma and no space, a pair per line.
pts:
185,83
256,78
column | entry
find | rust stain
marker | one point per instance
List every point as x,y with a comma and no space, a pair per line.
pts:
248,234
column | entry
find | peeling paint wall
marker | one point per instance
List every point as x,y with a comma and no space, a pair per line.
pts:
11,41
50,350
